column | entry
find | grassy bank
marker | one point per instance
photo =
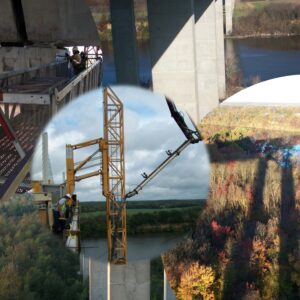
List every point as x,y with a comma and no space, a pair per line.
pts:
247,239
143,217
266,18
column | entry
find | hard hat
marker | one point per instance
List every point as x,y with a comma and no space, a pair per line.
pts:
68,195
75,48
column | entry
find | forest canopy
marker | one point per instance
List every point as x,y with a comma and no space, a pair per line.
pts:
34,264
246,242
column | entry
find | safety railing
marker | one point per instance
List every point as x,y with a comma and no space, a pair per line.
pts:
50,100
73,233
85,81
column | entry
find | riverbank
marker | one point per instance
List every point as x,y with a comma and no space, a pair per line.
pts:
262,35
143,217
266,18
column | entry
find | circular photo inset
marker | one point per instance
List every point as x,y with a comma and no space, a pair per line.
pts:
133,163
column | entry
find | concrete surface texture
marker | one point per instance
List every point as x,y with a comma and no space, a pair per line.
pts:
19,58
220,49
133,280
68,22
229,8
171,26
130,282
206,52
8,28
124,41
187,53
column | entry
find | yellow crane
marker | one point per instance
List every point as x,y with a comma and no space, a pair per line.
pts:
110,152
112,171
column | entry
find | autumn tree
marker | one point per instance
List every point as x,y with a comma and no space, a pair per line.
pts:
197,283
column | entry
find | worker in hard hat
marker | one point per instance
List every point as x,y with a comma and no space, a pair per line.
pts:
62,206
70,206
59,213
76,60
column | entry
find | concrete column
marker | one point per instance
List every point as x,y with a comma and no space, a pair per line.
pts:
220,49
229,9
124,41
172,50
206,56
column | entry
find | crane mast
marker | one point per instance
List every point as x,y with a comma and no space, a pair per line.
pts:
112,171
113,177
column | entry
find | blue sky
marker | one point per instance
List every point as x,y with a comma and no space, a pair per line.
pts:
149,132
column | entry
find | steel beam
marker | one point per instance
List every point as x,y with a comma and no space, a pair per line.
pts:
18,98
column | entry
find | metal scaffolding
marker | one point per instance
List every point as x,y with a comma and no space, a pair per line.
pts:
114,182
111,168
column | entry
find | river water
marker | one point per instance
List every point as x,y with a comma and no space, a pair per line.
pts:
135,276
266,58
139,247
262,58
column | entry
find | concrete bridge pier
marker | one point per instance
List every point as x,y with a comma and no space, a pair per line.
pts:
172,50
131,281
220,49
187,53
206,56
229,8
124,41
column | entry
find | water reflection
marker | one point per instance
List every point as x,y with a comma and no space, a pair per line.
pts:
265,58
262,58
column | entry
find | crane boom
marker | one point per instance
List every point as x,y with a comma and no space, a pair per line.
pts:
159,168
192,136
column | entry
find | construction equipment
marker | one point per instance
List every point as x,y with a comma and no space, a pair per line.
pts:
111,168
192,136
112,171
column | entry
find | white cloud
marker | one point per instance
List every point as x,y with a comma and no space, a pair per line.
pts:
149,132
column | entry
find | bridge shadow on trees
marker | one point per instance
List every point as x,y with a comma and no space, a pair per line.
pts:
248,233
